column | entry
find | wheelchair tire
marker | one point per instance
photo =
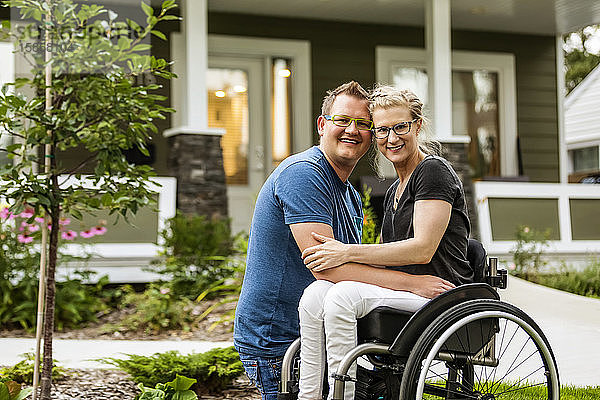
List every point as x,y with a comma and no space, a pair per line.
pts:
446,361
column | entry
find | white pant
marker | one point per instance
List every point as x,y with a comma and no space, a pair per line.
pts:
328,314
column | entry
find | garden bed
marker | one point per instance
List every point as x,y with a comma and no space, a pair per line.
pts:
104,329
104,384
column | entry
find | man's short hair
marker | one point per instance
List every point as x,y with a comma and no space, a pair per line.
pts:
351,88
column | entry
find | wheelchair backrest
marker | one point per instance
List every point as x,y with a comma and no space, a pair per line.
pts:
477,257
421,319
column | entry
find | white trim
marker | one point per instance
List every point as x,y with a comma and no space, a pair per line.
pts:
456,139
299,52
186,130
166,187
439,65
562,192
560,111
502,63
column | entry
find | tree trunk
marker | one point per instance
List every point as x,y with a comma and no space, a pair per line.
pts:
50,295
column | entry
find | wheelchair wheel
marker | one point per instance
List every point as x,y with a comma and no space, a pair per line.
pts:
481,349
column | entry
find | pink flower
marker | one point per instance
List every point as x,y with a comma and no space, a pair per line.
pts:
24,239
4,213
87,234
526,229
23,226
99,230
33,228
69,235
64,221
28,213
165,290
39,220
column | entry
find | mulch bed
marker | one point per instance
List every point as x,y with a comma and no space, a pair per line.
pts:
100,384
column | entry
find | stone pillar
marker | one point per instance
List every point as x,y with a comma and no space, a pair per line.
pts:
197,163
195,155
458,155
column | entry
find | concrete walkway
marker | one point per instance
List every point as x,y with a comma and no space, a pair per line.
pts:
80,353
570,322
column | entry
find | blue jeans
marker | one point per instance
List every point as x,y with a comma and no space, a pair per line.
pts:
264,373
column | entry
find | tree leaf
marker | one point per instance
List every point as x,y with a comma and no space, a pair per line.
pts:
181,383
147,9
159,34
4,394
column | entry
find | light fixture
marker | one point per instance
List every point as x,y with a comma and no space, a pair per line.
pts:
239,88
220,93
284,73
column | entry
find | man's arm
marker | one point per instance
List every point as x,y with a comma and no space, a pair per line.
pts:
423,285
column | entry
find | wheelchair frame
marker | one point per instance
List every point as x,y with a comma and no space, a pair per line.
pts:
421,341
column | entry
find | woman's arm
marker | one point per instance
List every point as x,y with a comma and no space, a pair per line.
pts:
430,221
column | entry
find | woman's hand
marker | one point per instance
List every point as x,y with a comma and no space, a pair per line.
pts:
329,254
430,286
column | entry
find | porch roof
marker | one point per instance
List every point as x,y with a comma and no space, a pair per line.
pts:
545,17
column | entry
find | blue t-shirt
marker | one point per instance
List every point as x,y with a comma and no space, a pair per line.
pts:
303,188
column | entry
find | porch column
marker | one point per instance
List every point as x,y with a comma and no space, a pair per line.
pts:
563,158
195,158
439,65
438,34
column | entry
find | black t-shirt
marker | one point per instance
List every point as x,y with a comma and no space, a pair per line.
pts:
433,179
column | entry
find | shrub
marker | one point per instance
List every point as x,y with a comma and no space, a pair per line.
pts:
193,253
228,289
179,389
11,390
214,369
22,372
585,282
369,231
528,251
158,308
76,303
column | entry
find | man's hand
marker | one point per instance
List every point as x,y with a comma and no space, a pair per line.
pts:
429,286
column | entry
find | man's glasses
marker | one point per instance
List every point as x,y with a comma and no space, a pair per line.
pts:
344,121
401,128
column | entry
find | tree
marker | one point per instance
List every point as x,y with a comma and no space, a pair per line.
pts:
83,94
579,58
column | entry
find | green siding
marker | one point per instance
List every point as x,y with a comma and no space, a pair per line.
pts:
585,219
342,51
507,214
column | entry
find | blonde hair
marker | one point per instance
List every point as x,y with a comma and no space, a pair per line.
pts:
386,97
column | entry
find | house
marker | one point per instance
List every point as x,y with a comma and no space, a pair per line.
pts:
253,74
582,127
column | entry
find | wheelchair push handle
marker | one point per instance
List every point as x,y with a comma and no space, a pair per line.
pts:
495,277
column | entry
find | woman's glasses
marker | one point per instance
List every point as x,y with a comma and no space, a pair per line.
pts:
401,128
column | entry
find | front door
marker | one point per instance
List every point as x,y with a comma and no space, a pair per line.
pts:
236,88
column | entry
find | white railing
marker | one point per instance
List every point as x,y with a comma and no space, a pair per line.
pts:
563,193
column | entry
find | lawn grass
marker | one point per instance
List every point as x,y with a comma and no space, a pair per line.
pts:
537,393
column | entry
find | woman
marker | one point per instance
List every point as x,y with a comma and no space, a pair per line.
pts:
424,234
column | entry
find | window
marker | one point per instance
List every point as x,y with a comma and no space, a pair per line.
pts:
483,102
584,159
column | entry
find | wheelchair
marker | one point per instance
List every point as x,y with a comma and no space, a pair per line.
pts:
463,344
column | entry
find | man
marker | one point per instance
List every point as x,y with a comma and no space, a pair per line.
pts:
307,192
